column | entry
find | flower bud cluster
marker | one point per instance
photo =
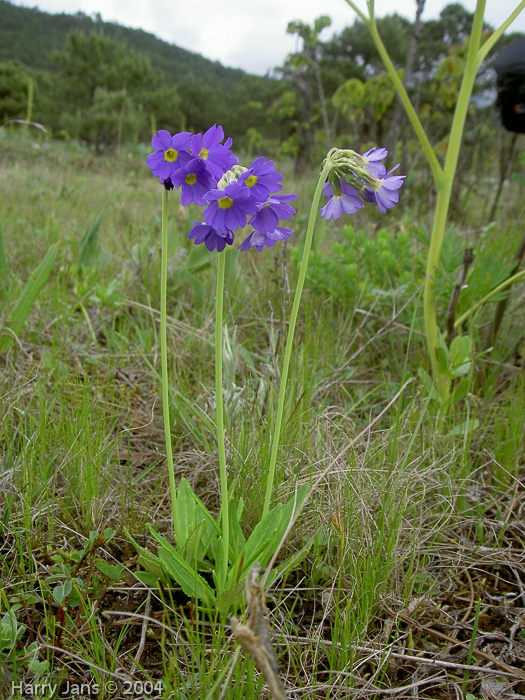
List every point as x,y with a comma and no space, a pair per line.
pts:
355,178
234,196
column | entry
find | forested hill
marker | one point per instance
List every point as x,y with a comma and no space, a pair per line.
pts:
30,36
104,84
98,81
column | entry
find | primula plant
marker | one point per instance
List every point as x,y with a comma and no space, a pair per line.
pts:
211,556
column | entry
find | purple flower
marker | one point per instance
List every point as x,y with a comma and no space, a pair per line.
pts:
227,209
258,239
262,179
386,195
270,212
347,201
202,233
217,156
195,180
170,153
373,156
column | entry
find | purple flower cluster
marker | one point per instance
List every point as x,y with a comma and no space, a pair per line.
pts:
209,175
380,189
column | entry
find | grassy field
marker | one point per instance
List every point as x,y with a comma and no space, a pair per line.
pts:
413,585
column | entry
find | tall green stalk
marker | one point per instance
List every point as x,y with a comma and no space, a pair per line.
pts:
164,349
225,515
443,176
291,331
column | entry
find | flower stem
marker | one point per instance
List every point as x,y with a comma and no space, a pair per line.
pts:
444,191
443,176
225,516
419,130
506,283
429,300
164,349
495,36
291,331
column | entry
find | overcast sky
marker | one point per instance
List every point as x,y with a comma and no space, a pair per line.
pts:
248,34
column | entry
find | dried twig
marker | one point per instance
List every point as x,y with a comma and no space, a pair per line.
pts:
143,633
254,637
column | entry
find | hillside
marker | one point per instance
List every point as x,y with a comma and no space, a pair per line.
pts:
30,36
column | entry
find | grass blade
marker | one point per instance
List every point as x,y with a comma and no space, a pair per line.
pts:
27,298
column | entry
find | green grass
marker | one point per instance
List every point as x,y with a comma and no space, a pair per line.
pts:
412,522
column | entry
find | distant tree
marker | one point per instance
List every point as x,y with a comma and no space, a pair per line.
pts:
14,82
353,53
365,104
112,115
112,93
303,71
309,57
91,61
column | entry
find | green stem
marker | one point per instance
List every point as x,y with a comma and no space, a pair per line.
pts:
443,177
225,515
291,331
431,157
358,11
429,301
487,297
164,349
495,36
444,191
465,93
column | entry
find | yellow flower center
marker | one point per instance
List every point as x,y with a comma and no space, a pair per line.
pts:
203,153
225,202
251,180
170,154
191,179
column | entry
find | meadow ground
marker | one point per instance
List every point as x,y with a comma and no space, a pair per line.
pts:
413,585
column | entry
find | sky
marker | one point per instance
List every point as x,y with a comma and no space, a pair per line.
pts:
249,34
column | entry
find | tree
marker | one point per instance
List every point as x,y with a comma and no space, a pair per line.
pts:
353,53
14,84
302,69
309,56
91,61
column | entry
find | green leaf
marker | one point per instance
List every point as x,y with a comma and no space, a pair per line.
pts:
197,546
442,358
189,513
464,428
110,571
292,561
188,579
10,631
62,591
149,561
237,539
27,298
181,571
146,578
89,247
257,542
460,390
267,535
290,510
460,349
462,370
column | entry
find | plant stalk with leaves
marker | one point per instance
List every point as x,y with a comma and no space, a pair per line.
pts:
443,175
